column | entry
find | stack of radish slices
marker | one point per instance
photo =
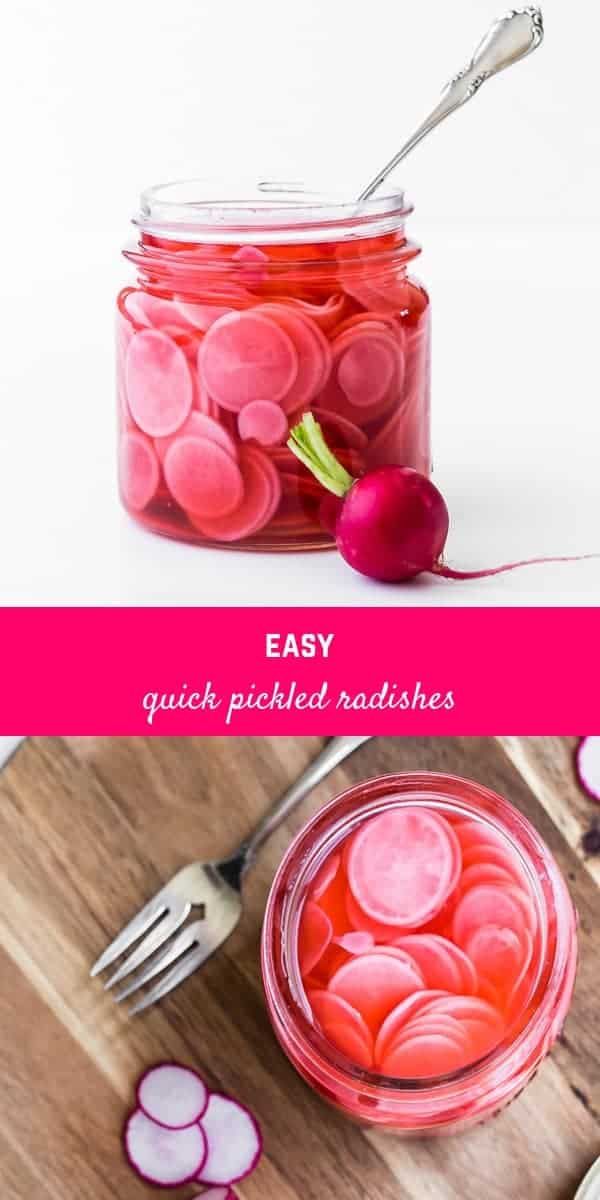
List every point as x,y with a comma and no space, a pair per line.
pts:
417,943
182,1133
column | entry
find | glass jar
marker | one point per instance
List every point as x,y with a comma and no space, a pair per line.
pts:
246,313
474,1093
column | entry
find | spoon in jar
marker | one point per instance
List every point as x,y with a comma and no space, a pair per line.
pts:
508,41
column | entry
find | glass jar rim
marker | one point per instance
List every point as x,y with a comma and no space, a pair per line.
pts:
264,212
536,849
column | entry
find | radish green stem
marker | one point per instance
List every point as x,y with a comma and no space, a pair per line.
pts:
308,444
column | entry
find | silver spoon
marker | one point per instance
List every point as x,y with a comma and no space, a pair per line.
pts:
508,41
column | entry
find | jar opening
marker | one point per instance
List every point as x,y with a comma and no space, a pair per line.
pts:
264,212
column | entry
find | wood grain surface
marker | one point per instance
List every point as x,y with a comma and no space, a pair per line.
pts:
90,828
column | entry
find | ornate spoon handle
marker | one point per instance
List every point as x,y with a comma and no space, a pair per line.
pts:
508,41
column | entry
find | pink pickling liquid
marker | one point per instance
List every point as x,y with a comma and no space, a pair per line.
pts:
424,967
248,338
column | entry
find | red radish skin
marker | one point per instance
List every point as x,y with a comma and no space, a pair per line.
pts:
172,1095
587,766
393,523
166,1158
233,1139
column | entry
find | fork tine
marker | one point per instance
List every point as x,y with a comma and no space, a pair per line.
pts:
174,977
139,925
193,934
158,936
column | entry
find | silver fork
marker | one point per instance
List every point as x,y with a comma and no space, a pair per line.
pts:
214,888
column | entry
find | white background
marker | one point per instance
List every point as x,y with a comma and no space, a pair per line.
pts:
101,100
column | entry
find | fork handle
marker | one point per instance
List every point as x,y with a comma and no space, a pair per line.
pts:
336,750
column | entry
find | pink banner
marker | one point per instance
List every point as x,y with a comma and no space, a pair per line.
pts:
299,671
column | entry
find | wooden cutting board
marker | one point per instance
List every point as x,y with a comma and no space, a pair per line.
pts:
89,828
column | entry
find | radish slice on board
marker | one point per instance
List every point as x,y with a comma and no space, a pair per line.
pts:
264,422
403,865
165,1157
233,1139
374,984
139,472
172,1096
202,477
314,936
159,383
587,764
200,425
245,357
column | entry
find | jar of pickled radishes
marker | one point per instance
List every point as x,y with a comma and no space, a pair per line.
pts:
250,308
419,953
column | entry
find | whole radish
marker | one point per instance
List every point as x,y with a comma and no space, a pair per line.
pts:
392,523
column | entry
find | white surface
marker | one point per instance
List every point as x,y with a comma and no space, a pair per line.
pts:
103,101
8,745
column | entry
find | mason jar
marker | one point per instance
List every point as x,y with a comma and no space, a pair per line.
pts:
476,1092
250,307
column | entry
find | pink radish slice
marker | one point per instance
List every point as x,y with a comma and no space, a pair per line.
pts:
202,477
326,316
424,1057
264,422
159,383
153,312
233,1139
486,904
364,924
498,954
403,957
198,424
469,1008
344,1026
403,865
437,964
492,856
470,980
202,316
367,363
399,1017
483,873
247,356
477,833
173,1096
374,984
313,351
259,499
314,936
167,1158
253,265
139,472
356,943
525,904
587,766
424,1026
325,876
342,431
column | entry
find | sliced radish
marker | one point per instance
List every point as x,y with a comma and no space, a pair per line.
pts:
263,422
234,1141
341,431
365,924
587,765
469,1008
245,357
498,954
374,984
367,363
261,496
477,833
435,1023
424,1057
167,1158
333,902
314,936
498,856
203,477
326,315
436,961
139,472
159,383
173,1096
483,873
403,865
313,355
325,876
198,424
344,1026
399,1017
486,904
356,943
